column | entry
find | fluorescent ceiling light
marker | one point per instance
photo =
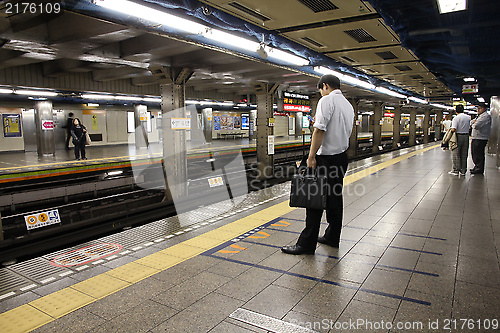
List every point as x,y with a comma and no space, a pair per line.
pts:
128,98
418,100
469,79
93,104
448,6
163,18
152,99
345,78
389,92
389,107
95,96
480,99
153,15
35,92
6,91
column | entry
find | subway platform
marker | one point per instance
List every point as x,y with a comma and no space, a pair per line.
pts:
419,252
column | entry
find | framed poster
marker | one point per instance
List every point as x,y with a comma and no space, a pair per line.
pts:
230,123
217,123
245,121
237,122
223,122
11,125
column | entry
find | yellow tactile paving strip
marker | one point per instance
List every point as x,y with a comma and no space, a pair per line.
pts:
48,308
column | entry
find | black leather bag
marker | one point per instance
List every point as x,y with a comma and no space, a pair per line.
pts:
309,190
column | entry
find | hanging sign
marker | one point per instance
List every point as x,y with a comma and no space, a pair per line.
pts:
42,219
470,88
296,102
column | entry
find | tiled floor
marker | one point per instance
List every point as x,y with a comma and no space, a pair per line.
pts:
419,248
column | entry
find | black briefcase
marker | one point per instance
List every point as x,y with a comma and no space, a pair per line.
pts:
309,190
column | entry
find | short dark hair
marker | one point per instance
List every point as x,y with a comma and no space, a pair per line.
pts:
70,114
331,80
460,108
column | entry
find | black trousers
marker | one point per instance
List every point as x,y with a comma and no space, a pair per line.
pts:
79,147
337,167
477,152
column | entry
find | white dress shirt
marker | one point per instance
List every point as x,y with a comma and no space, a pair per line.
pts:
335,116
461,123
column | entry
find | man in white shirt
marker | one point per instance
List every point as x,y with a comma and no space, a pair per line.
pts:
481,127
460,125
330,140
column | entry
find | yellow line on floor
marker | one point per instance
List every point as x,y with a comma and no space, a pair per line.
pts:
45,309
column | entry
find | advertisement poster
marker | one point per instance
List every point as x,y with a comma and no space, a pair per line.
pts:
217,123
223,122
230,123
11,125
244,121
237,122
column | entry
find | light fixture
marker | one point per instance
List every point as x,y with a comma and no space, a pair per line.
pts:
6,91
480,99
469,79
96,96
152,99
448,6
345,78
418,100
389,92
35,92
128,98
93,104
219,36
262,51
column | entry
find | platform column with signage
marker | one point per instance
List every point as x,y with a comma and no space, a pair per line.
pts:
353,139
437,125
44,124
377,125
396,127
172,81
140,119
412,135
264,94
425,125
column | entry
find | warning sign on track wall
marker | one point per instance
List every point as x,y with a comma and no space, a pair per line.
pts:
42,219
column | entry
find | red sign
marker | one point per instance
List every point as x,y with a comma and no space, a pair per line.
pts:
389,114
47,125
470,88
297,108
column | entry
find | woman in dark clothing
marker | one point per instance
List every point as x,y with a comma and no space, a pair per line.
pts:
78,135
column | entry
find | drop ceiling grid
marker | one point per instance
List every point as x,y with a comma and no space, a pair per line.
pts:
368,57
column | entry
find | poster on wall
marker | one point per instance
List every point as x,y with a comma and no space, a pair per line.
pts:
244,121
230,123
223,122
237,122
11,125
217,123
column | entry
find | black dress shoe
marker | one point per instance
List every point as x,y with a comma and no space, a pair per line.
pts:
296,249
476,172
323,240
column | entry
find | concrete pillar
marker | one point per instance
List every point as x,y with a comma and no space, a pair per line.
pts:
425,125
437,125
141,133
377,127
172,81
44,124
207,124
264,94
298,124
413,127
353,139
396,127
252,121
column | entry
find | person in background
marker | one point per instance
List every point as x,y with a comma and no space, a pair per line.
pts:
333,124
78,134
460,125
446,126
69,124
481,127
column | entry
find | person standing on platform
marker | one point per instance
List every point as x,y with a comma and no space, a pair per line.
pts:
69,124
460,125
446,126
333,124
481,127
78,134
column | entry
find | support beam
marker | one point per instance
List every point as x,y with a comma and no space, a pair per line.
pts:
413,127
44,124
396,127
141,134
425,125
353,139
377,127
264,94
437,125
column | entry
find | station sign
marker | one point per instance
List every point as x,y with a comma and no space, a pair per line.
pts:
47,125
86,254
470,88
180,123
42,219
389,114
296,102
